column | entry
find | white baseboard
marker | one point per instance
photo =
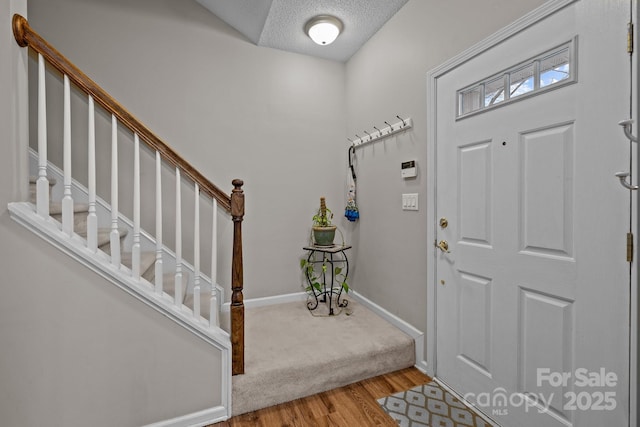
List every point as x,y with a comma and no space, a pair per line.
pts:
196,419
423,367
417,335
265,301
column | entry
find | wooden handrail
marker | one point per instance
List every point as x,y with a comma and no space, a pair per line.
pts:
26,36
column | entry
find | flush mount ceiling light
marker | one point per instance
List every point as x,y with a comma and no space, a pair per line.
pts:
323,29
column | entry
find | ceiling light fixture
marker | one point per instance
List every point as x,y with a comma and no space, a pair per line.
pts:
323,29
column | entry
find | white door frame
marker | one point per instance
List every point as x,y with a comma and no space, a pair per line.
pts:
516,27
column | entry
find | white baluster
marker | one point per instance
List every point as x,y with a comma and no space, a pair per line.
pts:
135,249
196,254
92,218
214,316
159,266
178,283
67,200
42,183
213,306
115,233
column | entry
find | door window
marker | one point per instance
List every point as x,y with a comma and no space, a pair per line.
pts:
549,70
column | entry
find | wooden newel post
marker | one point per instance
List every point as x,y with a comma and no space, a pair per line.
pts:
237,304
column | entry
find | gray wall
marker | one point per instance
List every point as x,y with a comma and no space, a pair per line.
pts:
234,110
76,350
385,78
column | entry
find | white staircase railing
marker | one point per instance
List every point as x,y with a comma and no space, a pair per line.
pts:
103,245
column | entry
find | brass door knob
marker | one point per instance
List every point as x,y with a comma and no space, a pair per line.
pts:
443,246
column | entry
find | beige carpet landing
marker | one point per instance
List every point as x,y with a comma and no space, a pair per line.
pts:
289,353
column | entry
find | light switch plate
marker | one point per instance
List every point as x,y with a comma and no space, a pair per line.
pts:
410,202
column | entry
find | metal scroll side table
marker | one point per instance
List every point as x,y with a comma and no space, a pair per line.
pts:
334,256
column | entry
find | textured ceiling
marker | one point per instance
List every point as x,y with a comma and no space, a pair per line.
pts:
280,23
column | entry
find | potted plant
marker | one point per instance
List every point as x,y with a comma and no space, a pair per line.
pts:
316,271
323,231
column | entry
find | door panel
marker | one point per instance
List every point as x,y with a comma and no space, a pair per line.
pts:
546,191
545,322
474,344
475,185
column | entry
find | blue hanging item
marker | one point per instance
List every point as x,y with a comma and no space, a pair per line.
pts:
351,211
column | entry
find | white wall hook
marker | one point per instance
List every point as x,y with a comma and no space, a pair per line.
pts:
390,129
622,176
626,128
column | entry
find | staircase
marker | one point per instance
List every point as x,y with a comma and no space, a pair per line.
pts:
71,215
147,258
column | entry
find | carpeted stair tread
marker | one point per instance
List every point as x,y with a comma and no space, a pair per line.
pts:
33,188
80,215
291,354
169,284
55,208
205,301
147,260
34,179
104,235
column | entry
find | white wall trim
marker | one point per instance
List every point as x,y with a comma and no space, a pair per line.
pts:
416,334
273,300
533,17
200,418
423,367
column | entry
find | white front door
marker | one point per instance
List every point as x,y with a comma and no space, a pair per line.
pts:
532,293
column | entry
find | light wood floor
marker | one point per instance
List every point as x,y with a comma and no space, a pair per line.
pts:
351,406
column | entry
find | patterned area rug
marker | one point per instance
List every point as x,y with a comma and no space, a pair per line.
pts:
429,405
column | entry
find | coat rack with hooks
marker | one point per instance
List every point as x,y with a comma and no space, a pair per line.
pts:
388,130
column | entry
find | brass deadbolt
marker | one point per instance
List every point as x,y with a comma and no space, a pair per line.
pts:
444,223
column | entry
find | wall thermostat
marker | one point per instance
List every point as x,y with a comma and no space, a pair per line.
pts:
409,169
